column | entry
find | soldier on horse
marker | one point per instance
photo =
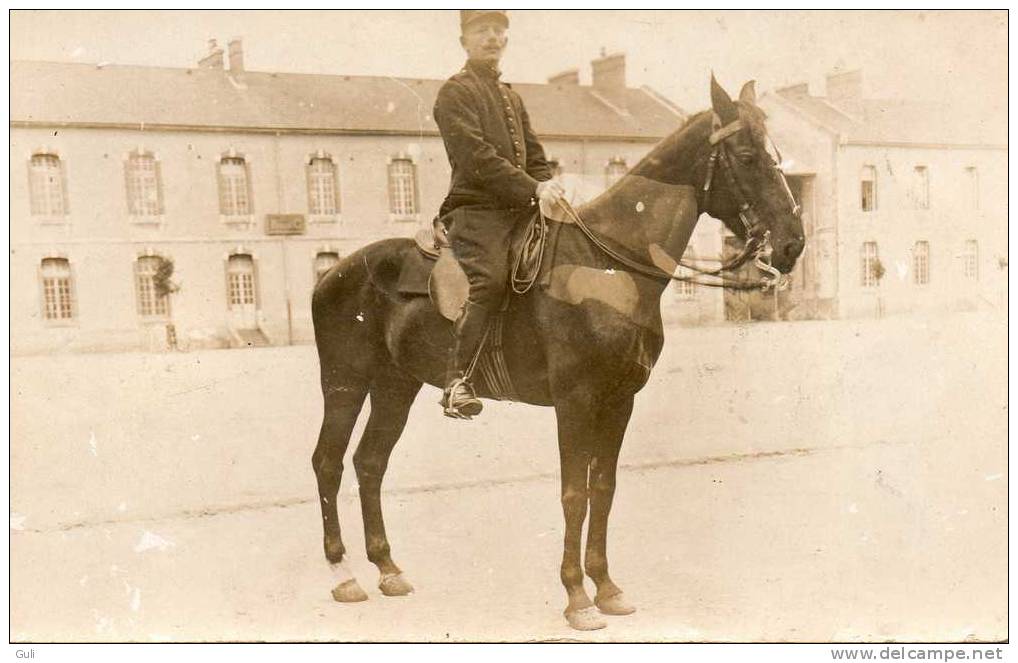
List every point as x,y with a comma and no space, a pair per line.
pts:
499,173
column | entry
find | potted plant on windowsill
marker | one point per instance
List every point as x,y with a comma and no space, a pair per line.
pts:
164,286
877,272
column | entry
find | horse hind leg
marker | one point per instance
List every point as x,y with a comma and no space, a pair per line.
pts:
391,398
342,406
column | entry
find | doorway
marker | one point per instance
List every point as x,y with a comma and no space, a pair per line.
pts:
241,293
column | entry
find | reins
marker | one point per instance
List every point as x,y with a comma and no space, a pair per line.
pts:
652,270
757,246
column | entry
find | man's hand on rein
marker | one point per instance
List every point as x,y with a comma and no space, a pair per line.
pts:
550,192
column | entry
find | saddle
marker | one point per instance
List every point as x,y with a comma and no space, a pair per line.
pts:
435,272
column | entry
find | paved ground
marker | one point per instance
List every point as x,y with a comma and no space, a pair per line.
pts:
806,481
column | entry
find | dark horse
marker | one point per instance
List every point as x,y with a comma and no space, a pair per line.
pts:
584,343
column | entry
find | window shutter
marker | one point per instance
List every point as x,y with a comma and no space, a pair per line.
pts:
417,189
335,188
64,195
129,194
159,187
309,179
248,185
33,193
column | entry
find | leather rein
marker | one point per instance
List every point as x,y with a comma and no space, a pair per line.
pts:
757,246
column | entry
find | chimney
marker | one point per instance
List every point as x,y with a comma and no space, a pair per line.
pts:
844,90
609,72
214,60
568,77
236,50
797,91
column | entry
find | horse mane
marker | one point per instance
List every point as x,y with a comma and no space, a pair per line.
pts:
659,164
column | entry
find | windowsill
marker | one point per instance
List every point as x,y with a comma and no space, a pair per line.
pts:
404,218
323,218
150,320
60,324
151,221
52,220
237,221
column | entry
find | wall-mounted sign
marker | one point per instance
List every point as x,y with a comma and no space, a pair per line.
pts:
285,224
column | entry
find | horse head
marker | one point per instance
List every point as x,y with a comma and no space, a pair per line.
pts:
742,182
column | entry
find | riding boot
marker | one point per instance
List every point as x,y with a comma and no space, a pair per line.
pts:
459,400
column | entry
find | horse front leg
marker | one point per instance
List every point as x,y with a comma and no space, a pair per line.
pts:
575,430
613,420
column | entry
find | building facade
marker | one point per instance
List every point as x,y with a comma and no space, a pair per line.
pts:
154,208
906,202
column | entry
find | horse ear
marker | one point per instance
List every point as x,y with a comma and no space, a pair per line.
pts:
721,102
748,93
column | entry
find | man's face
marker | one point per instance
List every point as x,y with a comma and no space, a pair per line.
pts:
485,40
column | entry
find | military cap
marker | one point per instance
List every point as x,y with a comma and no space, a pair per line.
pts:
468,16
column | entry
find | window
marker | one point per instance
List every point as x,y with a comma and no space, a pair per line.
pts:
234,194
144,190
868,188
614,171
921,187
240,281
151,303
322,195
870,267
402,188
46,186
972,187
57,300
970,259
685,289
324,262
921,263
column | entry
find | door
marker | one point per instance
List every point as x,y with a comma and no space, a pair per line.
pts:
241,292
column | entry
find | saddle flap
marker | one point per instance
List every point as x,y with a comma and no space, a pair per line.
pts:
448,285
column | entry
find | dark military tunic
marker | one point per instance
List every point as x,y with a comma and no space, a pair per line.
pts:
497,163
495,157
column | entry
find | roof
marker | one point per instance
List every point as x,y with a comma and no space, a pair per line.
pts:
901,121
74,93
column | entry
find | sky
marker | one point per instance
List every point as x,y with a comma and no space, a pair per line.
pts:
960,57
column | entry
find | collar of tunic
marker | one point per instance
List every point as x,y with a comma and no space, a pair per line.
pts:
484,69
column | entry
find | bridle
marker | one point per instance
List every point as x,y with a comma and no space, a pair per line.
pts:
757,246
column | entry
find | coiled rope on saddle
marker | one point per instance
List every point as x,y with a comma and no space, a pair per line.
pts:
527,265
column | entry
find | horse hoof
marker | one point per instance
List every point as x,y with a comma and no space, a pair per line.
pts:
585,619
615,605
394,584
349,592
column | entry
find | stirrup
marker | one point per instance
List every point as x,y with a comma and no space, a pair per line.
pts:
459,401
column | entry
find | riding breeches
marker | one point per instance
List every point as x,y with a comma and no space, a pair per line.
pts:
480,239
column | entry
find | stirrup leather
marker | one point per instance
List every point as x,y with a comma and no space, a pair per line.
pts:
459,401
